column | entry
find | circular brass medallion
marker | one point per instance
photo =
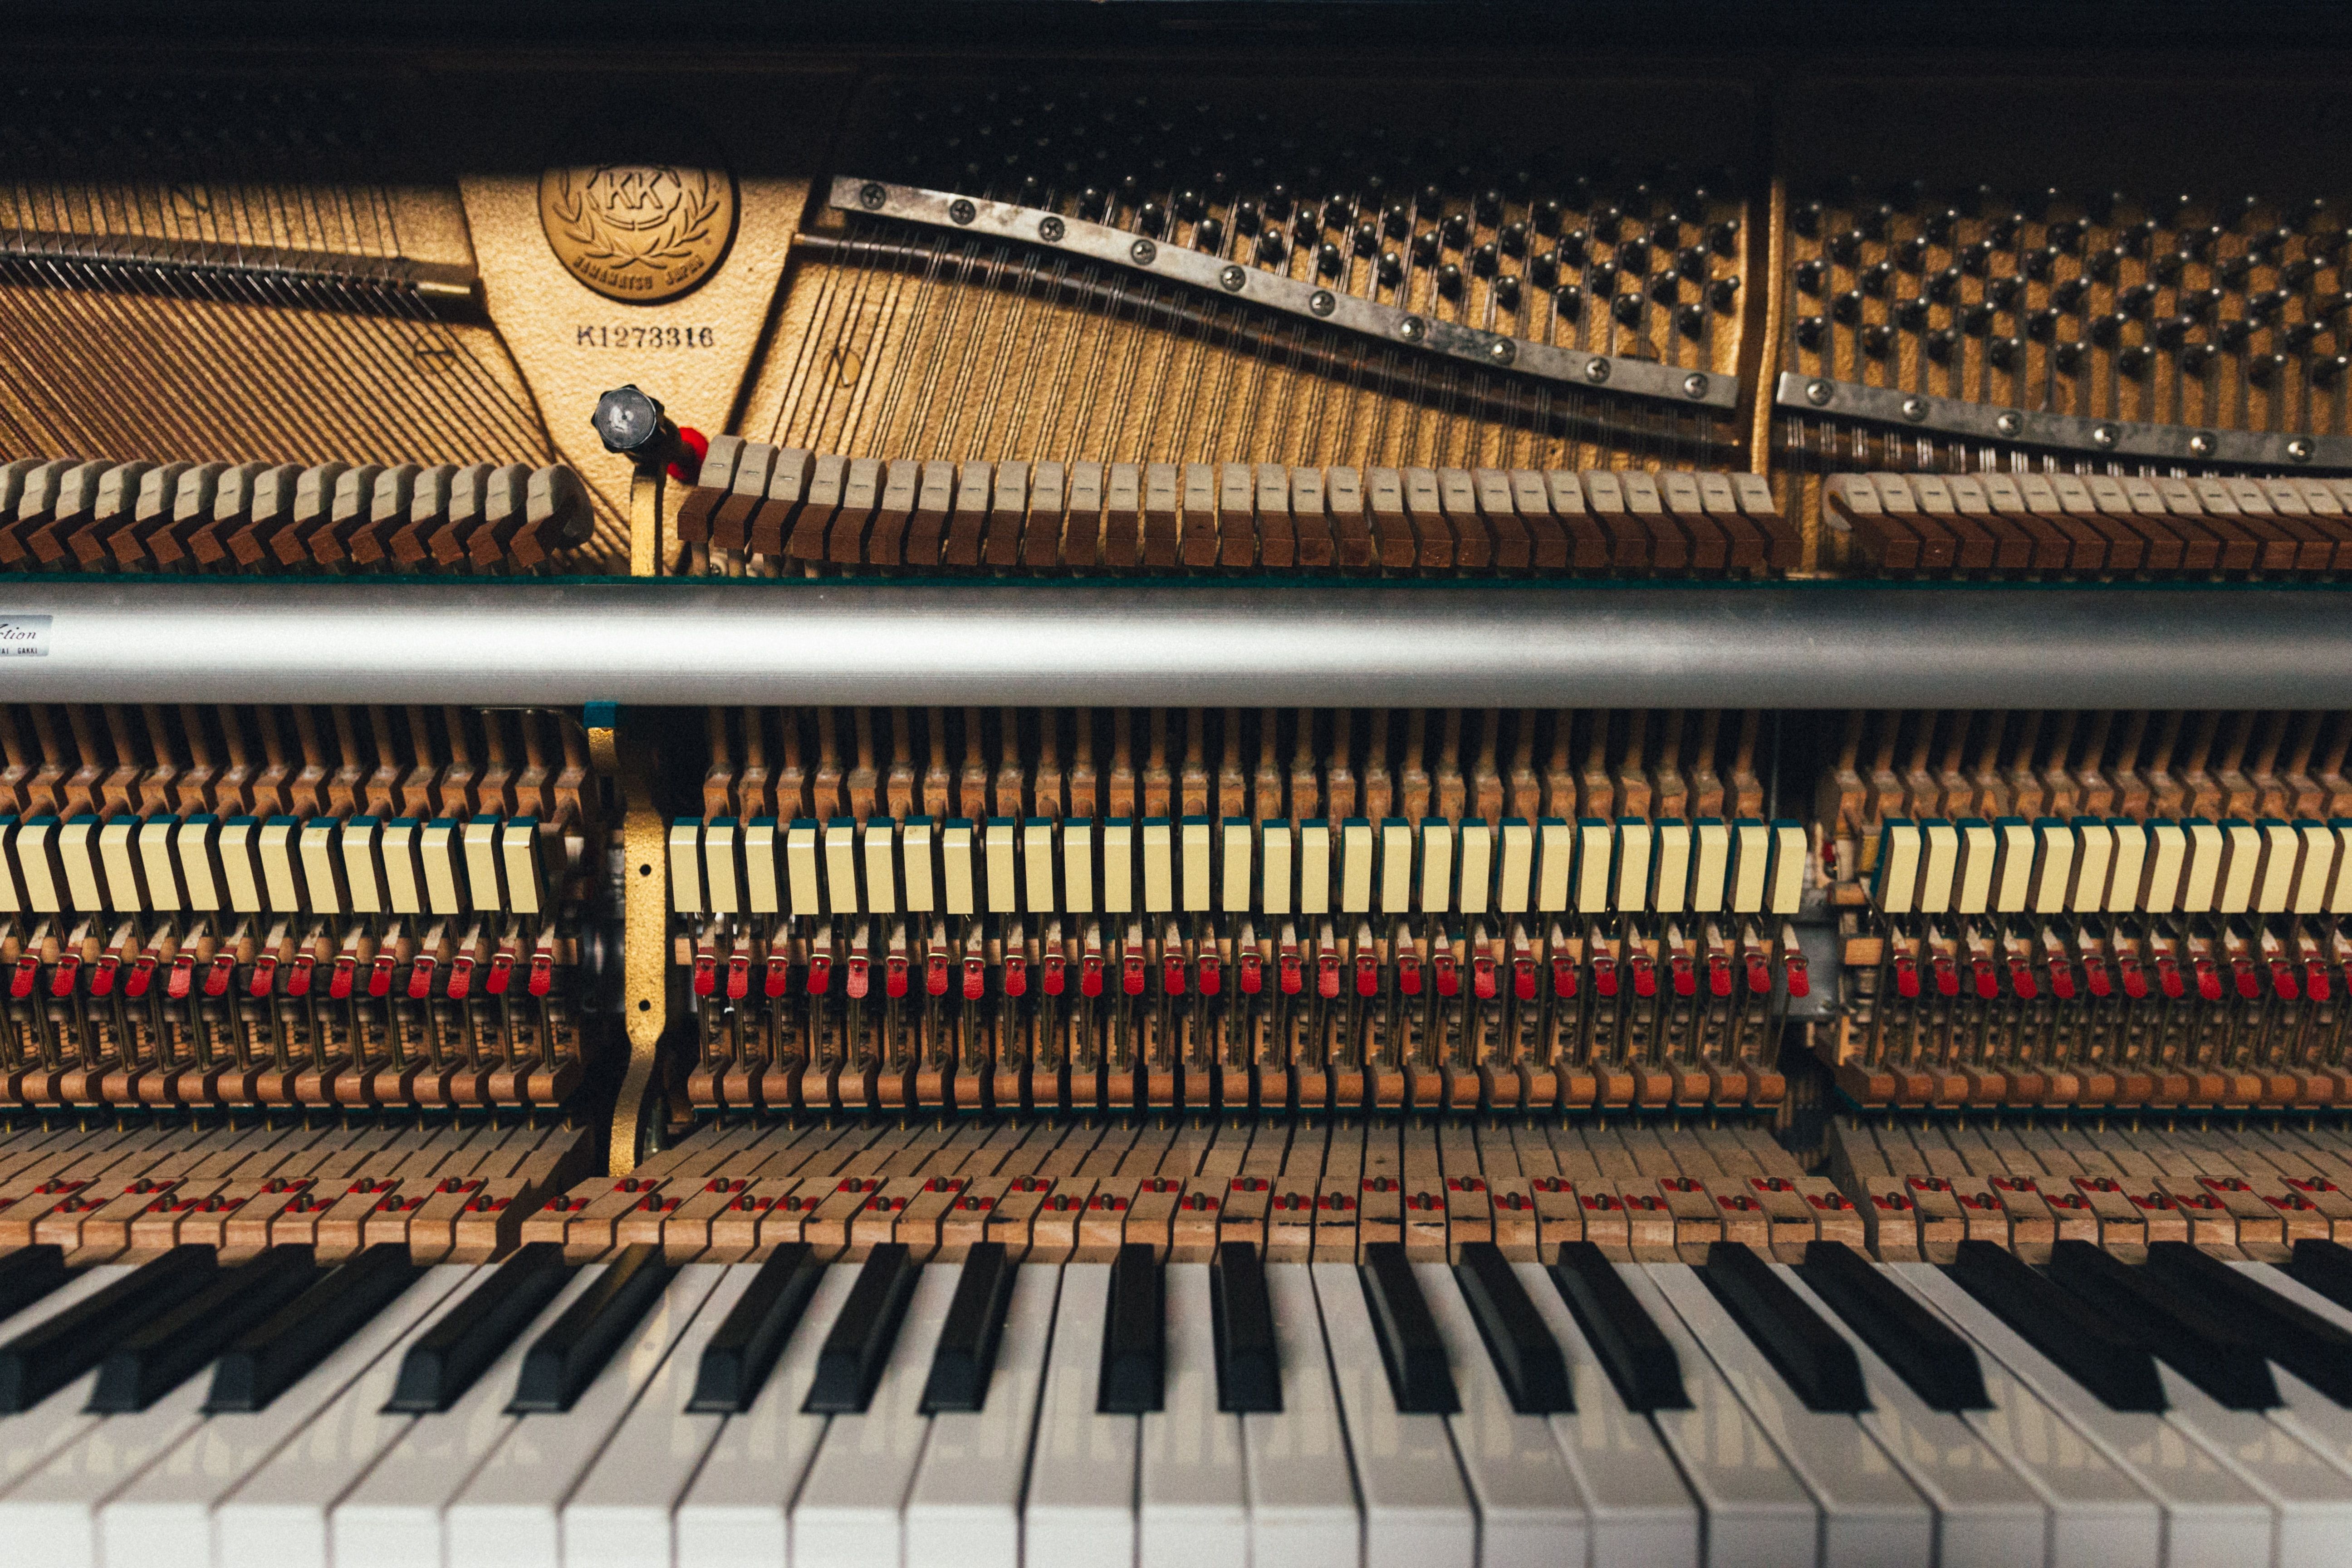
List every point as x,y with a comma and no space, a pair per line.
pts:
639,232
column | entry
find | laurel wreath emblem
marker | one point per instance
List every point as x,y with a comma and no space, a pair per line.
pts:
691,219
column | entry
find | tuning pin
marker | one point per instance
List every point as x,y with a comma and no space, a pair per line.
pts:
2266,370
1847,307
1911,314
2197,358
2233,334
2069,294
2041,262
2006,354
1812,274
1601,276
2069,357
2064,235
1691,321
1486,260
1811,330
1878,278
1272,248
2108,330
1425,246
2173,330
1722,292
1877,340
1506,292
1945,286
1489,206
1806,218
2136,362
1976,319
1568,301
1724,238
1628,310
2234,270
2329,371
1942,345
1150,218
1455,228
1844,247
1209,234
2001,293
1277,201
1513,239
1911,255
1449,280
1976,259
1544,268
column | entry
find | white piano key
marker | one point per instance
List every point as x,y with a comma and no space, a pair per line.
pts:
1756,1511
2099,1517
279,1511
2212,1518
1643,1515
619,1517
1192,1508
735,1515
1303,1510
1870,1513
167,1516
1985,1514
1417,1512
50,1516
392,1519
1081,1508
2311,1498
964,1509
849,1512
28,1437
1531,1512
2311,1415
508,1515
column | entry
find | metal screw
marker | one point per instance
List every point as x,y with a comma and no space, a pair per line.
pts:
2299,450
1232,278
1321,302
1819,392
1502,352
2009,423
1143,250
1695,386
1412,328
1596,370
962,211
2102,435
871,196
1914,409
1051,228
2201,445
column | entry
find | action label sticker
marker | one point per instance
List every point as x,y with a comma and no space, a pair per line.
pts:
24,636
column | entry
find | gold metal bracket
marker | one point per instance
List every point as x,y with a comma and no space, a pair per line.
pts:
644,951
645,552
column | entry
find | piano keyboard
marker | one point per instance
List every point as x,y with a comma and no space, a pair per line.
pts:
994,1411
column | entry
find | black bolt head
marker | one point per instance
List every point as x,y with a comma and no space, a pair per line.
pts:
628,421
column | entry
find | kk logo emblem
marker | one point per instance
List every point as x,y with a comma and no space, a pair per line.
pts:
639,232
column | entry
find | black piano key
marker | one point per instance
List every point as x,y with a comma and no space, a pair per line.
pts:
1249,1367
2307,1344
60,1347
563,1361
1940,1366
1410,1346
1526,1356
966,1357
29,1274
736,1362
2119,1371
167,1350
850,1362
457,1349
268,1358
1629,1344
1813,1357
1135,1336
2325,1266
2204,1346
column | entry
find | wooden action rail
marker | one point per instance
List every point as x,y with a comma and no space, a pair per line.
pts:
124,1193
74,514
1263,763
1064,1189
2033,525
761,502
2248,1190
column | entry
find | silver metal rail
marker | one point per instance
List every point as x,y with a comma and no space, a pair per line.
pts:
1785,645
